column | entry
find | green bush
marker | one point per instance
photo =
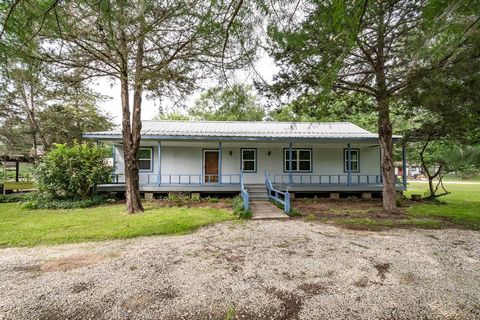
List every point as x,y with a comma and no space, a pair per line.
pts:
42,201
179,199
238,210
73,172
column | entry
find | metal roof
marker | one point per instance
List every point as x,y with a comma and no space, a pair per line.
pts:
249,130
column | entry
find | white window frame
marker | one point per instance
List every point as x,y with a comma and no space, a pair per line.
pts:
150,159
345,161
297,159
242,160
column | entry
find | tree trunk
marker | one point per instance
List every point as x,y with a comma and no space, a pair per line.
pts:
384,124
130,134
386,147
132,185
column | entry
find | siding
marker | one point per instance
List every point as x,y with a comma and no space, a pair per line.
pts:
326,160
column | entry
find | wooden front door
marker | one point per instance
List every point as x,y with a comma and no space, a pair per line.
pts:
211,166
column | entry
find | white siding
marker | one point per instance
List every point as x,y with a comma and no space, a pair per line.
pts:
188,159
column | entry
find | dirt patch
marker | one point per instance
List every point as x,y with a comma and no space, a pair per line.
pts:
28,268
383,269
72,262
313,288
344,208
140,301
82,286
291,303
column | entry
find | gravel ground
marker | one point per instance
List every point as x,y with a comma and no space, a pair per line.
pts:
253,270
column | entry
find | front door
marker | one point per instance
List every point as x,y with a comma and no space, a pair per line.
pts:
211,166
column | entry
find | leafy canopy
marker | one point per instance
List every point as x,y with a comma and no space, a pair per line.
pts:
237,102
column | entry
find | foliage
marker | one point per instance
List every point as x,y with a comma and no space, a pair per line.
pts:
42,107
178,199
73,171
238,209
171,116
65,124
30,228
235,103
375,48
37,201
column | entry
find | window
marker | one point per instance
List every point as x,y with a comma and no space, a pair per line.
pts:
355,161
249,160
145,159
301,160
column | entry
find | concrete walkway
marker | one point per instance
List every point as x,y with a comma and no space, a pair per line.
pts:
264,209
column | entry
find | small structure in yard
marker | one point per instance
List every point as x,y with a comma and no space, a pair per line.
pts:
271,159
11,163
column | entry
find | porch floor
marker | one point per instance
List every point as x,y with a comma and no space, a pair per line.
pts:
264,209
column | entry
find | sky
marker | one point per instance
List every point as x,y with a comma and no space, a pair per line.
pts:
265,66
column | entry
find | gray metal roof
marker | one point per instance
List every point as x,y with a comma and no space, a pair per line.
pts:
257,130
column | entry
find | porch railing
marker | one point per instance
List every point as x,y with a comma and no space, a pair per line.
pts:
244,193
277,195
181,178
356,179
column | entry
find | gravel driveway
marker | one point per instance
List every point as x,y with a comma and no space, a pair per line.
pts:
252,270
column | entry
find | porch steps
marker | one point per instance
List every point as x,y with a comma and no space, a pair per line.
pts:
264,209
257,192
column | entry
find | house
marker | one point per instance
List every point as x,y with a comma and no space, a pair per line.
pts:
223,157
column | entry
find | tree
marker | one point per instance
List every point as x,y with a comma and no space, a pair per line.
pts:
172,116
235,103
147,46
445,126
50,107
369,47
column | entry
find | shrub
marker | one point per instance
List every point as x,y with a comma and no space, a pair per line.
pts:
178,199
212,199
42,201
73,172
238,210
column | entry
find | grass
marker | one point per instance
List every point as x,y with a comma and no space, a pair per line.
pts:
20,227
461,207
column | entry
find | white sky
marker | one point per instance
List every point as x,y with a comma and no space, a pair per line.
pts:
264,66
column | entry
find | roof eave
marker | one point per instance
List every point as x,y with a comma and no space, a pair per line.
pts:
234,138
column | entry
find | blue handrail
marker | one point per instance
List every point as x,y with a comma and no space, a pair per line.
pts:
245,196
276,195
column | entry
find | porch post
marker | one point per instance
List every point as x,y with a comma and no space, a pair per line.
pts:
381,172
17,169
349,165
159,156
290,153
219,162
404,163
114,153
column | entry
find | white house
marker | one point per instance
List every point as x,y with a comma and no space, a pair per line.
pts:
218,156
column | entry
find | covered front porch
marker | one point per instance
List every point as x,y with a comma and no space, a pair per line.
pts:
222,166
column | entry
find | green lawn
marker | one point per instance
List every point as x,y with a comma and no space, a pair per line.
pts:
20,227
462,206
459,209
